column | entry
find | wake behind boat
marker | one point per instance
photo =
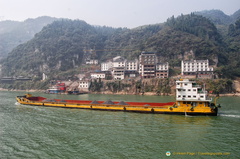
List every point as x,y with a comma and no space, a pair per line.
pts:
191,99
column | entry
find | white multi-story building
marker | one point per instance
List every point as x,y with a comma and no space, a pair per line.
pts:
147,67
198,68
84,85
132,65
118,67
162,70
131,70
92,62
98,75
106,66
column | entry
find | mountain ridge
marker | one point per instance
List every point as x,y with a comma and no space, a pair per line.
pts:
60,46
14,33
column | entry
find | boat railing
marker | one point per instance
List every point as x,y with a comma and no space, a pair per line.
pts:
208,98
52,101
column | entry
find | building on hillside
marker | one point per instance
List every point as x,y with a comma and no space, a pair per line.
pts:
197,68
84,85
7,79
131,70
91,62
147,64
106,66
162,70
97,75
132,65
118,67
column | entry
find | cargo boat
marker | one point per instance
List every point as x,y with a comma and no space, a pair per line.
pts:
191,99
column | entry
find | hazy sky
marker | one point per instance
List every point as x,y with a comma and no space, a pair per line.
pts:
115,13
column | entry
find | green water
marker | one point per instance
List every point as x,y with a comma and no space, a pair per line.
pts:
41,132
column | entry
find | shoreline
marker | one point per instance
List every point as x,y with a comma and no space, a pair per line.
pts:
125,93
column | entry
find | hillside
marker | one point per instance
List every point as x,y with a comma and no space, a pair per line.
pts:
13,33
184,34
232,69
61,46
218,17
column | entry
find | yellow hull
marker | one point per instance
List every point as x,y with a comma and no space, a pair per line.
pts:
169,109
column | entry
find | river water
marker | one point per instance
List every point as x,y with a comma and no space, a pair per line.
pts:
42,132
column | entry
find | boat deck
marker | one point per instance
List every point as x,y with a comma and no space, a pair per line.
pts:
88,102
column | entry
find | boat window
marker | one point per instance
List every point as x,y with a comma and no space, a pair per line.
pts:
179,96
189,96
188,102
184,89
184,102
194,90
183,96
189,89
194,104
201,96
194,96
185,84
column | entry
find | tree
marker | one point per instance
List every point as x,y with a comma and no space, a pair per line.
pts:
231,30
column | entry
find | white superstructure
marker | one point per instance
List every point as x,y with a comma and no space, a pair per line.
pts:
187,90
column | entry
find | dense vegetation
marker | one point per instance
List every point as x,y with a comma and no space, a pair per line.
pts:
62,46
14,33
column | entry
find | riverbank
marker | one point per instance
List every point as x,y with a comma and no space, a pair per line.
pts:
127,93
162,94
18,90
230,95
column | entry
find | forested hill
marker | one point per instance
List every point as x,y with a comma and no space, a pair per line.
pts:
218,17
13,33
62,45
